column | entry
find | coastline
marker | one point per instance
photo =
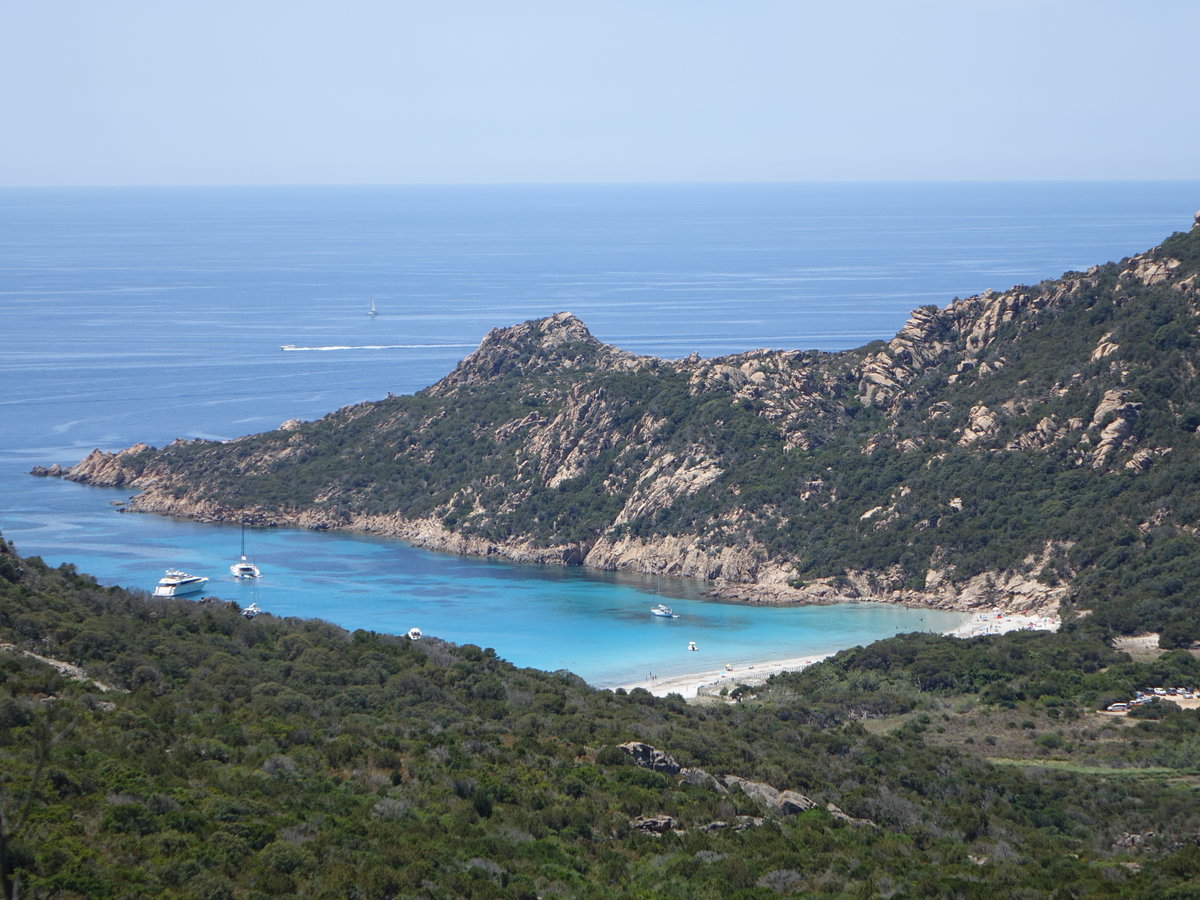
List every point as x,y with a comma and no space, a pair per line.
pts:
711,682
748,577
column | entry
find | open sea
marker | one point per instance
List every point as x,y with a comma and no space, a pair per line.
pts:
147,314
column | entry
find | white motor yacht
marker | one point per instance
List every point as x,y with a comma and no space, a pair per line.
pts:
177,584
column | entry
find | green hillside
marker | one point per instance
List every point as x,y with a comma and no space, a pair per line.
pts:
203,754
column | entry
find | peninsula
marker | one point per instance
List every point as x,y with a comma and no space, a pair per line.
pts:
1025,450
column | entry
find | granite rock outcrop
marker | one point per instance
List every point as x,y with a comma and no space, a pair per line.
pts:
546,445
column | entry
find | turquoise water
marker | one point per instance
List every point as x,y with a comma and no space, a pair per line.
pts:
148,314
597,626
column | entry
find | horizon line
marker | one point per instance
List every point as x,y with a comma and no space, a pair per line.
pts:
603,183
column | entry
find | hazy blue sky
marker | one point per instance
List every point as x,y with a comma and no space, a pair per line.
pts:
368,91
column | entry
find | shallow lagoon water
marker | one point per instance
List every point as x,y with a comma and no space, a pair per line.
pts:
598,626
133,315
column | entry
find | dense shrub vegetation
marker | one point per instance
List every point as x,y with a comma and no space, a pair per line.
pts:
269,757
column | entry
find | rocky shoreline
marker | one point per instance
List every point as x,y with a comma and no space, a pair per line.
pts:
1016,594
756,581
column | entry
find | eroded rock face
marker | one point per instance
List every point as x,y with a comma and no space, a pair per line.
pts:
558,343
845,817
685,557
919,344
649,758
784,802
957,336
665,480
1043,435
1119,413
1114,436
1153,271
787,802
108,469
1114,403
982,423
1143,460
700,778
960,338
1105,347
653,824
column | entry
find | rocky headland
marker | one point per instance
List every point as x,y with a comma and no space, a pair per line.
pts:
954,466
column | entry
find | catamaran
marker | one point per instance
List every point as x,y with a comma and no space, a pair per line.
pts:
243,568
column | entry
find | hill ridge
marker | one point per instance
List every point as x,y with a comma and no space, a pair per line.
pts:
955,465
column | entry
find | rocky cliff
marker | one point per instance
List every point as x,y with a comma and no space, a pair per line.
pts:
958,464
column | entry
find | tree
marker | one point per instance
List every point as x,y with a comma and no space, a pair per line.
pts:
16,800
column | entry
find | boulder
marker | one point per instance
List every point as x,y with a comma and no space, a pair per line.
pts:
847,818
787,802
790,802
649,758
700,778
653,824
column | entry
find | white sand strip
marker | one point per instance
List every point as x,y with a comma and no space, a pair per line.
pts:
711,682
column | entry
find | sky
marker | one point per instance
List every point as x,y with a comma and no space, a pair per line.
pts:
481,91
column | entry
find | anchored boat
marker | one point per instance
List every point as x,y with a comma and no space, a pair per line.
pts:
243,568
178,584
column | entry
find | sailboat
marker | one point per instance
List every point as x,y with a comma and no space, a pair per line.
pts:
372,311
243,568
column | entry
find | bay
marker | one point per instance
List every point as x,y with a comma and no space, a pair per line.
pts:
151,314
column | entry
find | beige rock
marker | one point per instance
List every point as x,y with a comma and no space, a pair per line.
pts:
1111,404
982,423
1105,347
1150,271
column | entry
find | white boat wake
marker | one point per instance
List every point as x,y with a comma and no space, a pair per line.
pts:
290,348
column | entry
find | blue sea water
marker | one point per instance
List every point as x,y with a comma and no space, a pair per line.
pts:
149,314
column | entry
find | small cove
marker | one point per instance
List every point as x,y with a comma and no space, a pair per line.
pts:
133,315
593,624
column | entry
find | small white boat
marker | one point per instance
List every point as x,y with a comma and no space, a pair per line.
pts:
692,645
251,611
663,611
243,568
177,584
372,312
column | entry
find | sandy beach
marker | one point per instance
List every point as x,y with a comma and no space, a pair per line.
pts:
710,683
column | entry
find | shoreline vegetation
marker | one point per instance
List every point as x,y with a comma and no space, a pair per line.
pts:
236,757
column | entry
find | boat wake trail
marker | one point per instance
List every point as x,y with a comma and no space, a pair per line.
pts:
292,348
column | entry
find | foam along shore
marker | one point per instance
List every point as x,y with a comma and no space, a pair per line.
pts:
711,682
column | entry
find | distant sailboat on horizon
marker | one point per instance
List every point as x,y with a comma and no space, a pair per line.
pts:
372,311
